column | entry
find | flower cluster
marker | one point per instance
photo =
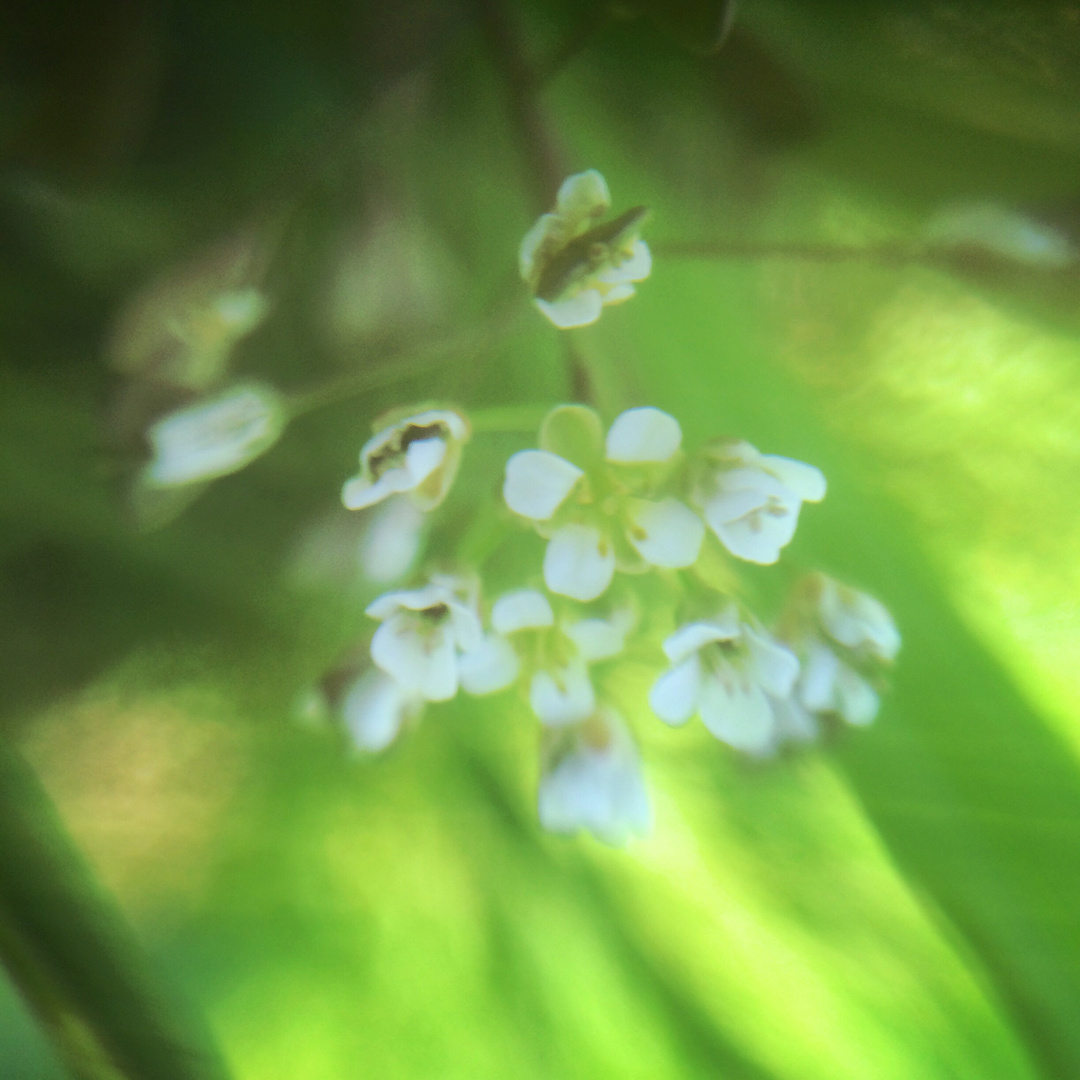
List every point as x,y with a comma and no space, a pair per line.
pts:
629,500
625,500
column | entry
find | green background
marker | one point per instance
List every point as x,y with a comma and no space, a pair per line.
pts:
900,903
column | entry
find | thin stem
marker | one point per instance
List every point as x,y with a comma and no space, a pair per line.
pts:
399,365
881,254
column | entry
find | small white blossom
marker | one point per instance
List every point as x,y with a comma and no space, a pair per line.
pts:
418,454
375,708
214,437
591,508
725,671
592,780
423,632
576,265
844,638
751,501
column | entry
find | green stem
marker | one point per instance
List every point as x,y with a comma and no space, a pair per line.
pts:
76,962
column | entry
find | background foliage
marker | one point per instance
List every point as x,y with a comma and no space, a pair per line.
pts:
901,904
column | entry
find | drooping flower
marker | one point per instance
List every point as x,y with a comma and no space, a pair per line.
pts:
599,501
576,265
418,454
391,540
423,633
214,437
728,672
751,501
845,639
591,779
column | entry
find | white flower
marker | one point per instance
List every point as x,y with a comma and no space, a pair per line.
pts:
418,454
375,708
575,265
591,503
751,501
214,437
844,638
726,672
592,780
422,632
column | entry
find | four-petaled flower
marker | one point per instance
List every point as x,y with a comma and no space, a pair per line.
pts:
750,500
417,453
422,635
595,498
591,779
576,265
727,672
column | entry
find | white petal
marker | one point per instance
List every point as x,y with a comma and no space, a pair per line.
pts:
674,696
635,268
422,458
563,696
359,492
667,533
214,438
545,226
853,619
740,717
774,667
374,709
688,639
856,700
643,435
522,609
597,639
579,562
465,627
490,667
391,541
421,658
805,481
759,536
583,195
538,482
817,682
583,309
615,294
